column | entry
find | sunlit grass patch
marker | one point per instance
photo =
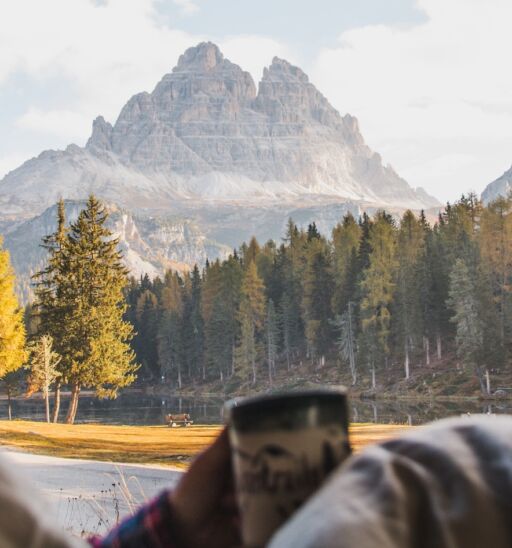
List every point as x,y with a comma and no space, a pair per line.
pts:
159,445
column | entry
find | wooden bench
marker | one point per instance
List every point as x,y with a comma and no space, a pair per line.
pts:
181,419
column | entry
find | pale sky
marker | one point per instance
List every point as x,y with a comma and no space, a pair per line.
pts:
429,80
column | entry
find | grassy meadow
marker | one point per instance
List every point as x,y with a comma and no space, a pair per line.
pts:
158,445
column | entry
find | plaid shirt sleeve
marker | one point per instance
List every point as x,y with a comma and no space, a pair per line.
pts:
150,527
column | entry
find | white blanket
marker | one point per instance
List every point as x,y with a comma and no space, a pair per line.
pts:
446,485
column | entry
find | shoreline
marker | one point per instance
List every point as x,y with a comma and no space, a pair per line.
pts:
87,497
357,395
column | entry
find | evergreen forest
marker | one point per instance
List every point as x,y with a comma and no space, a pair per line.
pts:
381,298
380,295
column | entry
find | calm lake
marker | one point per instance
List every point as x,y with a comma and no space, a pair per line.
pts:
130,408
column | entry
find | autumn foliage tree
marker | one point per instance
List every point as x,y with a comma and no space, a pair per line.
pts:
12,329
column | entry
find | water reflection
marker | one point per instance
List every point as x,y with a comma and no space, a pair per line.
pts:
406,412
141,409
126,409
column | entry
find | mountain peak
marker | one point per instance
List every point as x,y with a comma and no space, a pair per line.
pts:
203,57
203,134
280,69
101,134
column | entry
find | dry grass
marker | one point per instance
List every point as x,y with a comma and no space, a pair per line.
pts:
138,444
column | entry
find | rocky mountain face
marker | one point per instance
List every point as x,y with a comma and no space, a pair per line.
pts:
206,159
502,186
150,245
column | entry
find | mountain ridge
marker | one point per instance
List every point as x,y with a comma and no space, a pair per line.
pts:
205,132
211,148
502,186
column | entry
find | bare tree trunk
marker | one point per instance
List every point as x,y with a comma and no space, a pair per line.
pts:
47,405
439,349
9,405
351,352
487,382
179,376
374,384
480,377
426,345
56,402
73,404
269,359
406,362
355,414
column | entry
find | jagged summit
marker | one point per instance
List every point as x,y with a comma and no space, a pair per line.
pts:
207,133
203,162
101,134
285,71
203,57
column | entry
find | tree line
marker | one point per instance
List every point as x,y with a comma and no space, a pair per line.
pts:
378,292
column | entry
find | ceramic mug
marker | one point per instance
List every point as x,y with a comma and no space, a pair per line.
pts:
283,447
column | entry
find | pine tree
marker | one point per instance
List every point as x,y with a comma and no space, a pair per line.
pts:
470,333
346,342
495,241
170,346
313,233
251,317
346,238
317,298
12,328
251,252
247,349
221,340
407,313
97,340
193,326
147,314
377,287
170,333
291,264
289,316
220,306
271,338
437,275
43,372
52,308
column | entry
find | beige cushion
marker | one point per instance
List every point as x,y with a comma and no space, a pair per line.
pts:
446,485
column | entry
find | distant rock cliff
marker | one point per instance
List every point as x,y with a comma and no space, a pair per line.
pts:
502,186
205,143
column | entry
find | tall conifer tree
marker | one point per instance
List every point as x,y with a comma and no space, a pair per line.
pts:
97,340
378,289
251,317
53,308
